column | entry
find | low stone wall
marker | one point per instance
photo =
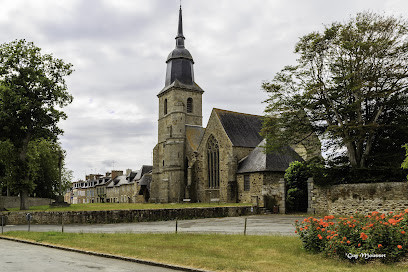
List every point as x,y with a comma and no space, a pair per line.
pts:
126,216
363,198
14,201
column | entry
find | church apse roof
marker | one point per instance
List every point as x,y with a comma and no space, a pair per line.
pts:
242,129
259,161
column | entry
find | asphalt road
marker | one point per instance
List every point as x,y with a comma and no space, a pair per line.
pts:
256,225
21,257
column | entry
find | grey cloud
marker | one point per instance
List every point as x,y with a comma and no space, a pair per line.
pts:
119,56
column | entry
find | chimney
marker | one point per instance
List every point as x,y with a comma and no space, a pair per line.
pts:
116,173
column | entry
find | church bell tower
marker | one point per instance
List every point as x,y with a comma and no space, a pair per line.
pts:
180,104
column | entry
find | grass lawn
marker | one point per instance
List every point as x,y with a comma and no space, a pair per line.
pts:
128,206
208,251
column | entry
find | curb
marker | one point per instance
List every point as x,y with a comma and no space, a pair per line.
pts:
104,255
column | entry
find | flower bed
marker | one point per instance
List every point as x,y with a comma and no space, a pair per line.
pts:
357,238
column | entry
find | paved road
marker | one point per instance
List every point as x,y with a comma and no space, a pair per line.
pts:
20,257
256,225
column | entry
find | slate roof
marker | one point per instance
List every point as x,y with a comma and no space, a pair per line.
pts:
177,84
242,129
145,180
179,53
132,175
194,134
145,169
120,180
258,161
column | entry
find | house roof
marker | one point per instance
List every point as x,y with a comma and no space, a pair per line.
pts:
120,180
242,129
132,175
194,134
145,180
145,169
259,161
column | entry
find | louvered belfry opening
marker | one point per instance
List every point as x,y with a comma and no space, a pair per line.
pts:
213,162
189,105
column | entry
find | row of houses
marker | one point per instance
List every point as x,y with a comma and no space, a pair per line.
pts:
114,187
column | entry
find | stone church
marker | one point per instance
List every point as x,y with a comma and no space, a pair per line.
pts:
223,162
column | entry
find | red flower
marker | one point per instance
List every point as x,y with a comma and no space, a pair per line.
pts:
348,242
359,245
320,237
403,232
399,247
379,245
363,236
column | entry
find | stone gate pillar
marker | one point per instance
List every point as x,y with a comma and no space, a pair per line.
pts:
310,196
282,191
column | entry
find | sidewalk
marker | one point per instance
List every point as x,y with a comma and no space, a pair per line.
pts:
256,225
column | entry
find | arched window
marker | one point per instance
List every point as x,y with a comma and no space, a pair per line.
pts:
213,163
165,106
189,105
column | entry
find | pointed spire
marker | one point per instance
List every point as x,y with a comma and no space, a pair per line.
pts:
180,38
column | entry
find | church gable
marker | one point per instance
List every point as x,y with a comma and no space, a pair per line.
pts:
215,128
242,129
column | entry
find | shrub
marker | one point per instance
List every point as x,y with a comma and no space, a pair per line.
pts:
296,186
357,238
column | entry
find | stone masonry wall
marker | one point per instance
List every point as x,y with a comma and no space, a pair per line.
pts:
263,185
125,216
14,201
363,198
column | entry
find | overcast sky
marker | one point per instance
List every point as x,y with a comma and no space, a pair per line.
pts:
119,48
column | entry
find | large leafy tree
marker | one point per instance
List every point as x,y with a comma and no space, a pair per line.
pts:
48,158
405,162
32,92
6,167
349,86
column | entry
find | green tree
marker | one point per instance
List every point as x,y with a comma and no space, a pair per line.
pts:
47,177
349,87
296,186
32,92
405,162
6,167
